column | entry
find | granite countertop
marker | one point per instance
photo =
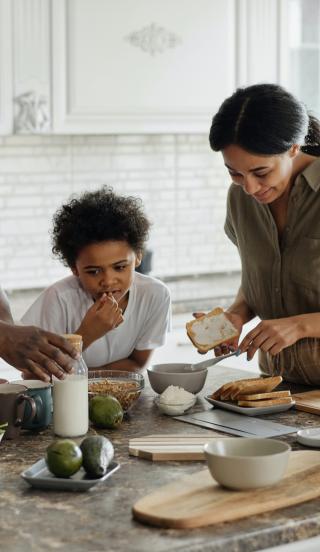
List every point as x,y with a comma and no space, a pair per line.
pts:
101,519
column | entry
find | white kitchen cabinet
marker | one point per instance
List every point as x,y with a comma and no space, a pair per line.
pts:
118,66
138,67
5,68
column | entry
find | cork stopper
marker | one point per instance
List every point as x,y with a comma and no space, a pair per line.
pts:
75,340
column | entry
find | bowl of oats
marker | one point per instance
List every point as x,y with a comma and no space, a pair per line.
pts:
124,386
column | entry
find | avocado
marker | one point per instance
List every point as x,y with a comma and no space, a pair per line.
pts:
63,457
97,453
105,411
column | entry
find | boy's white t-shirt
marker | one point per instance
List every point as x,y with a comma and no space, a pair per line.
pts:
61,308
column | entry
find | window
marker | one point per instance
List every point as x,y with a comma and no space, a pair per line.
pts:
303,58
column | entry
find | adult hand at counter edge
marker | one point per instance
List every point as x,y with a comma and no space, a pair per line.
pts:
31,349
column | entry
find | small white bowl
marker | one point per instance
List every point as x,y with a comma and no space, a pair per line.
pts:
309,437
246,463
174,409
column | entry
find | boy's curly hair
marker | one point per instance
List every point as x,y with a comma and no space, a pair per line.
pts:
96,217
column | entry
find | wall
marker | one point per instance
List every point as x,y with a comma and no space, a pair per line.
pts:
182,183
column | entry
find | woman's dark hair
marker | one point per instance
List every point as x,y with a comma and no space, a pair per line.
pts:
264,119
95,217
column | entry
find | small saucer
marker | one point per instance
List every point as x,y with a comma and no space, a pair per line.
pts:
309,437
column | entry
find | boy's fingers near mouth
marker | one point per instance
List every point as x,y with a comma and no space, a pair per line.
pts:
110,296
99,304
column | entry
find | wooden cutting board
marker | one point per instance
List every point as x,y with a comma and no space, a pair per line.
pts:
171,447
197,500
308,401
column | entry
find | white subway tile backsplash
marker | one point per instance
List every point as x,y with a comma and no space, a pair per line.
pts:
182,183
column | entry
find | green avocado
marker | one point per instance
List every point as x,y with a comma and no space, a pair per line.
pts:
63,457
105,411
97,453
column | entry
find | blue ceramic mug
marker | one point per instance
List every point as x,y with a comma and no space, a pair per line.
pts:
40,392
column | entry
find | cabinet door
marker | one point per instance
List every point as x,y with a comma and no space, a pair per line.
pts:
147,66
6,112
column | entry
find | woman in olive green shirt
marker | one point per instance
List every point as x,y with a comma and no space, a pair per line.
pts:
270,147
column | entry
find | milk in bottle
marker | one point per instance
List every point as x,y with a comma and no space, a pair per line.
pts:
70,397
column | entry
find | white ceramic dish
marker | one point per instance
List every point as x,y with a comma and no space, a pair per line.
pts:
309,437
246,463
174,409
250,411
181,375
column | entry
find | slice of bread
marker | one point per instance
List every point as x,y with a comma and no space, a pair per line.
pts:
211,330
267,402
262,396
223,392
260,385
233,389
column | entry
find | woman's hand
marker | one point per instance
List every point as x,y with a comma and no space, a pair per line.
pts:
272,336
103,316
36,352
231,345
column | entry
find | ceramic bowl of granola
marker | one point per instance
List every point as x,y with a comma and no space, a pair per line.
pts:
124,386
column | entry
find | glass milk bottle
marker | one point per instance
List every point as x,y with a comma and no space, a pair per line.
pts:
70,397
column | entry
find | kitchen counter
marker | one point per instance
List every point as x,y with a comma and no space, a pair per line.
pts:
101,519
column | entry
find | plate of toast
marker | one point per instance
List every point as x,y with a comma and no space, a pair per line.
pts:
252,396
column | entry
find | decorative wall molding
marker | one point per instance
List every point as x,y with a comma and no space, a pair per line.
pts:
33,113
154,39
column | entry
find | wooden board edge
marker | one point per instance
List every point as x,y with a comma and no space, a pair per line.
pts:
167,456
250,510
307,408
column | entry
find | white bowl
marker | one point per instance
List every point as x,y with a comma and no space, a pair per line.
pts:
244,463
309,437
163,375
174,409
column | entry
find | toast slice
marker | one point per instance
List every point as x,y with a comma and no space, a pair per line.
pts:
267,402
260,385
233,389
262,396
224,390
211,330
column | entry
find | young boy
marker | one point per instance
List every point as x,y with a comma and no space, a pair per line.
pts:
122,315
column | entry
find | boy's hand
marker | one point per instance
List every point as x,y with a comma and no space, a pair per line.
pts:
103,316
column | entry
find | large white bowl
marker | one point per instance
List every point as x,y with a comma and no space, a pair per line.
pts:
244,463
163,375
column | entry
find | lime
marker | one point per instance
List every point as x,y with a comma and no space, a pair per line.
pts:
64,458
105,411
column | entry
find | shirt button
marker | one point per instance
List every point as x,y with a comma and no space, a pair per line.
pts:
277,290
